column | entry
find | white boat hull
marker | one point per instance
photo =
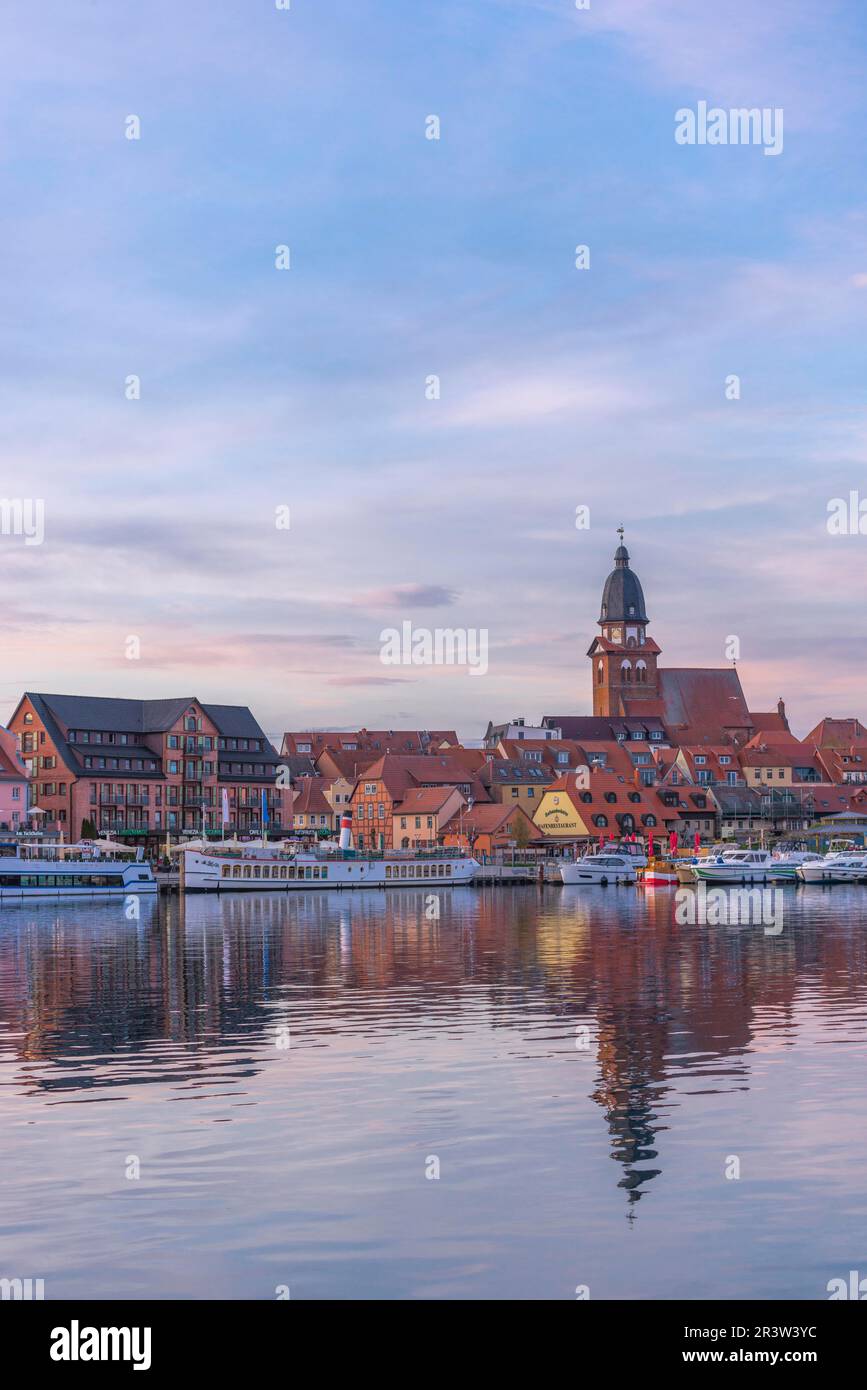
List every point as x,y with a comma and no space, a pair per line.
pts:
51,879
212,873
575,873
731,873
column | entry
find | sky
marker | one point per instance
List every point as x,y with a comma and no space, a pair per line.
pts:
308,388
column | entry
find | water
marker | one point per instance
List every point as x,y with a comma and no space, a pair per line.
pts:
414,1039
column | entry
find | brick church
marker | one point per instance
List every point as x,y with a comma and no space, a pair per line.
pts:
694,704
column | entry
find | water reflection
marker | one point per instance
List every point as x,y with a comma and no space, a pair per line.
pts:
190,997
80,984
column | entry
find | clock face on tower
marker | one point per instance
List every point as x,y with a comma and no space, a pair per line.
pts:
617,634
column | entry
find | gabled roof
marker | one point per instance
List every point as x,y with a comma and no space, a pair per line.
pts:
702,704
310,798
105,713
487,818
837,733
768,722
424,800
348,765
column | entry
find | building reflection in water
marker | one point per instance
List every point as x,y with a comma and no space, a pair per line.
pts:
90,1000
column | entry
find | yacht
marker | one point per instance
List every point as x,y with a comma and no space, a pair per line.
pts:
845,866
852,869
788,863
261,871
737,866
603,868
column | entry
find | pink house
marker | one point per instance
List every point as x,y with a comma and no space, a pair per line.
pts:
13,783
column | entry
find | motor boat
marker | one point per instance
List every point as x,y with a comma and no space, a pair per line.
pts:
790,861
659,873
603,868
852,870
845,866
737,866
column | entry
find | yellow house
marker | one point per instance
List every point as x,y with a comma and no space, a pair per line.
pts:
515,783
759,768
573,808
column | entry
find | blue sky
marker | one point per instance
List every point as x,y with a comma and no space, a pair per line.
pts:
410,257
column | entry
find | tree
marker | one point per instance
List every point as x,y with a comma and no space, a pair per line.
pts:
88,830
522,832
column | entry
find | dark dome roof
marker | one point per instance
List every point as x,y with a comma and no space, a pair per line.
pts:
622,597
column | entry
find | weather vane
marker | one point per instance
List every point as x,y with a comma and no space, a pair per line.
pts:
620,533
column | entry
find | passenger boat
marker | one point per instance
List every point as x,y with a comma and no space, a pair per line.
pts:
602,868
47,877
261,871
736,866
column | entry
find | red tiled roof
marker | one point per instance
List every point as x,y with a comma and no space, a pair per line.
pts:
629,799
702,704
310,797
837,733
486,819
419,800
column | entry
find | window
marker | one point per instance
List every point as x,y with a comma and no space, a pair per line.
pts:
600,822
626,672
599,673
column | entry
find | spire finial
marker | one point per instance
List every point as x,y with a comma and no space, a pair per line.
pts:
620,533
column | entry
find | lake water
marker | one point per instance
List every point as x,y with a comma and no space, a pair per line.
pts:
286,1075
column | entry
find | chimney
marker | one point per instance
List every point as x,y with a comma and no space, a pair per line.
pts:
781,711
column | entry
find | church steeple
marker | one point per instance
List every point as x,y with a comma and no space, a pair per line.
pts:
622,597
624,657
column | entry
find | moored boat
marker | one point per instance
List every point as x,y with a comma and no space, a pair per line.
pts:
737,866
847,866
42,877
659,873
602,868
261,871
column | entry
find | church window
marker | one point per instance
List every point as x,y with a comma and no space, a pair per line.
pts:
626,671
600,674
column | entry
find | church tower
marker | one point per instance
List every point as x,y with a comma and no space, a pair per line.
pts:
623,657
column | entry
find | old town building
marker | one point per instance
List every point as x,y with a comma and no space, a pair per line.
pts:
144,769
